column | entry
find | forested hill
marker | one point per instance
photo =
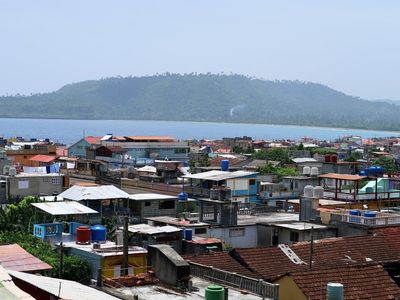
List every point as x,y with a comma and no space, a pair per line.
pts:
220,98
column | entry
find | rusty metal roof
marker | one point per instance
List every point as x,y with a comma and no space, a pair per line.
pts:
14,257
342,176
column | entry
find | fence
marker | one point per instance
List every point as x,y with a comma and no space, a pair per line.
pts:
256,286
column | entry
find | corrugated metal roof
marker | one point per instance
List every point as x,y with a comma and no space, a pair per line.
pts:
216,175
64,208
299,160
64,289
13,257
150,196
342,176
43,158
99,192
148,229
8,290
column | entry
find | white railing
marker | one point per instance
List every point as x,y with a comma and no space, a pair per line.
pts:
381,219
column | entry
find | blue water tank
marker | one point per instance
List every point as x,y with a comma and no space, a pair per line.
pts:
354,212
362,173
370,217
186,164
380,169
188,234
98,233
183,196
224,165
370,214
183,233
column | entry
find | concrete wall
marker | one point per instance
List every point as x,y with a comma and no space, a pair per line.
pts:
168,266
232,236
21,186
151,208
288,289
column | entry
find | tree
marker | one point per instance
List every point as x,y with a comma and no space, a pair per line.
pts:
387,163
276,154
279,171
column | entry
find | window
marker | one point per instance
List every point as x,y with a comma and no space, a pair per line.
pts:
167,204
180,150
252,182
56,180
236,232
23,184
147,203
294,236
200,230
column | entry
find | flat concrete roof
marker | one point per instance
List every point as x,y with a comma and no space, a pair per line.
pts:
321,202
106,249
300,226
163,292
176,221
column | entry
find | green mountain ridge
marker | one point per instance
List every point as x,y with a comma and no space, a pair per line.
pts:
205,97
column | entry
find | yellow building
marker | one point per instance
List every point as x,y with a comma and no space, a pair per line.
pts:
108,257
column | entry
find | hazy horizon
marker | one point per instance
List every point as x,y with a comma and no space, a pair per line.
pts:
350,47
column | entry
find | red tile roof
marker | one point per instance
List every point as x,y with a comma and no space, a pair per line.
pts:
13,257
223,261
360,282
92,139
381,247
43,158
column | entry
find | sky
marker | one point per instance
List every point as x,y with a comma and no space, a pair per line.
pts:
350,45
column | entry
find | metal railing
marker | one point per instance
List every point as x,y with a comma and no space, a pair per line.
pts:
381,219
256,286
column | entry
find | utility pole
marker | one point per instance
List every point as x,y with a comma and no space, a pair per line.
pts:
60,270
311,246
125,247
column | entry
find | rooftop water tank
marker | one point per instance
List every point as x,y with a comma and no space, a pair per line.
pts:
306,170
182,196
188,234
5,170
308,191
318,192
224,165
12,171
83,235
334,158
314,171
362,173
370,217
98,233
354,212
214,292
327,158
334,291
